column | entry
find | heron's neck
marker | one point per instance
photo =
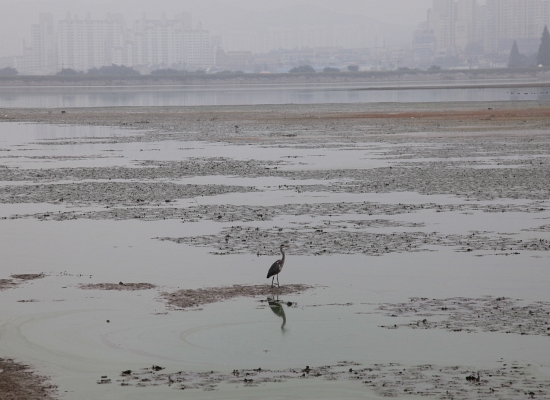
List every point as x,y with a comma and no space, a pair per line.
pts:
283,253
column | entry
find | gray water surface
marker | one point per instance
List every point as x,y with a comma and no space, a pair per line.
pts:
58,97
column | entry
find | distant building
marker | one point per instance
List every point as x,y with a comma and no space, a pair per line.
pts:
424,47
233,60
87,43
509,20
198,49
160,43
495,25
40,58
82,44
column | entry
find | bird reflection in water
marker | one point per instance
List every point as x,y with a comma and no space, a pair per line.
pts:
278,310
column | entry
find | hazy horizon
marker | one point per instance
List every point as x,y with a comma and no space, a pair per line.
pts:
393,18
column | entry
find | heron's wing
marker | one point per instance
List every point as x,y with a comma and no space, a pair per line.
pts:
275,269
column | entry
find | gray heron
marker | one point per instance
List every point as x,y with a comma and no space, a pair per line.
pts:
277,267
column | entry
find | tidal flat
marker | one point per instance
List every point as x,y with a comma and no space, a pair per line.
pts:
136,242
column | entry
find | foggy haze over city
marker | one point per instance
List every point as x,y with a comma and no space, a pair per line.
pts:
245,36
218,16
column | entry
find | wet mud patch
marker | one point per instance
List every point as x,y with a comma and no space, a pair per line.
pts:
18,279
7,284
232,213
466,147
19,382
112,193
485,314
509,381
150,170
117,286
324,241
188,298
479,184
426,178
28,277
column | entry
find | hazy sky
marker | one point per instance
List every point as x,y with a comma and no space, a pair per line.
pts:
17,15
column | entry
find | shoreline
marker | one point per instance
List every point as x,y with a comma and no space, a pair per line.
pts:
383,118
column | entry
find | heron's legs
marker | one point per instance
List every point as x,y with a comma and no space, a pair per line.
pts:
278,281
272,281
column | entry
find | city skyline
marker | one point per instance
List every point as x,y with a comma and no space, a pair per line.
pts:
221,17
453,34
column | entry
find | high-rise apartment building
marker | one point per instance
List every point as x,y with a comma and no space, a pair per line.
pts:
82,44
198,49
40,58
441,20
509,20
161,42
87,43
495,24
455,24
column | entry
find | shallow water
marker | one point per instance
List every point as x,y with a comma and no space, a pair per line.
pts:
65,332
47,97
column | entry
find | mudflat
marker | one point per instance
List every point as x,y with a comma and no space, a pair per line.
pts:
137,240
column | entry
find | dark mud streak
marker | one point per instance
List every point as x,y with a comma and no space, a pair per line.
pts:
117,286
18,279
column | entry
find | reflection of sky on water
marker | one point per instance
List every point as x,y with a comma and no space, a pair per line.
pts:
198,96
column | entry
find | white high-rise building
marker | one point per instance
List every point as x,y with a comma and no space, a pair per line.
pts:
198,49
495,24
83,44
441,20
509,20
160,42
41,57
86,43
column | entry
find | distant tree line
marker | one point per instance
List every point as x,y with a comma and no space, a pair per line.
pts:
8,71
308,69
118,70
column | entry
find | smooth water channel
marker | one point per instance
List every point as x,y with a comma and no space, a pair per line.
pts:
405,92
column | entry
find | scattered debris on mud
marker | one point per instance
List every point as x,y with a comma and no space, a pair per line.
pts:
466,182
486,314
117,286
232,213
188,298
324,241
19,382
509,381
